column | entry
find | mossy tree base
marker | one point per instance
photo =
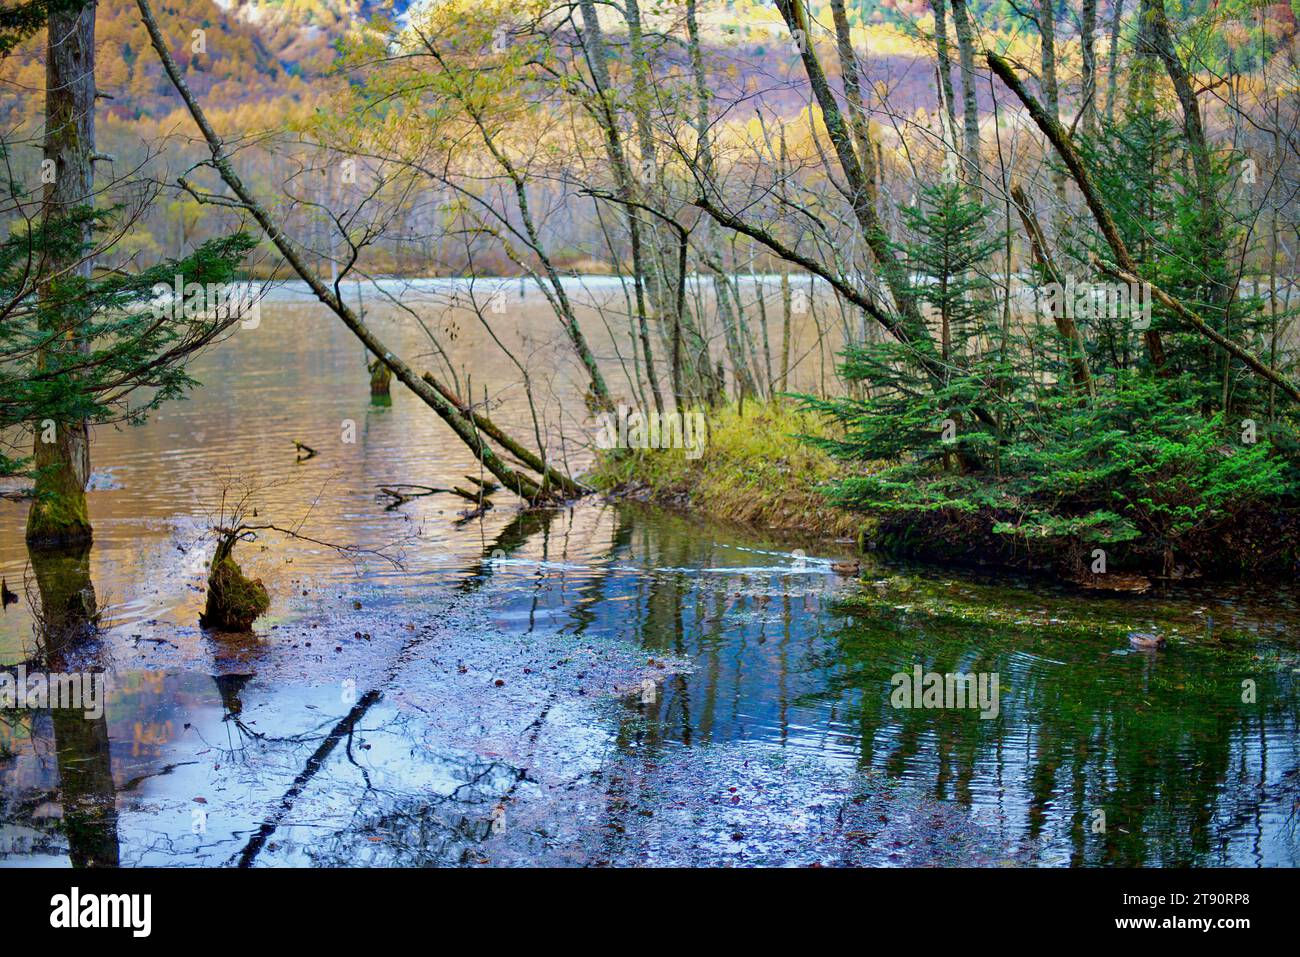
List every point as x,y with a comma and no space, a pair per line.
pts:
59,523
58,516
234,601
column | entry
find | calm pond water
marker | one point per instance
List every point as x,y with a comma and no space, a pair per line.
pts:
602,684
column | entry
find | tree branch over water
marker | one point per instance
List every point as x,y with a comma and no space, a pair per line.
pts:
516,481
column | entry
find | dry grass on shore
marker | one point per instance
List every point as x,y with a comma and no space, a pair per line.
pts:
755,470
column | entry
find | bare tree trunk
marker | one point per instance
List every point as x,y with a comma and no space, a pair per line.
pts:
1212,225
721,294
969,103
496,434
732,334
786,304
1088,29
853,98
760,291
58,514
1112,58
660,265
1051,89
945,59
594,43
1273,267
786,311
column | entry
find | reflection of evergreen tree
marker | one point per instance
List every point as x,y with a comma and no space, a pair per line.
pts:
1154,743
67,612
67,621
86,788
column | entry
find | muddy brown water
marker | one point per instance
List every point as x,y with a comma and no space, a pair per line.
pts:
606,683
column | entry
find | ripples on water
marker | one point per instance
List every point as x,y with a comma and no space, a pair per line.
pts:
217,728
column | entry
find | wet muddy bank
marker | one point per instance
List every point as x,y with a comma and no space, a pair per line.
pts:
1255,545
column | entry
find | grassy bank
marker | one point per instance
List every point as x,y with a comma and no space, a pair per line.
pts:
755,470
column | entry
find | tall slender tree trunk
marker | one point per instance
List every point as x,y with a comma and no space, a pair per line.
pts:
786,303
1212,214
853,98
721,293
1051,89
940,9
660,276
761,297
1088,30
1112,59
1273,267
594,42
61,450
969,103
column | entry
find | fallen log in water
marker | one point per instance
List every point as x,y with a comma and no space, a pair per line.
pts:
469,427
492,431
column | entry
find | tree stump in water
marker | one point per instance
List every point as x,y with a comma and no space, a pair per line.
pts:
381,379
234,601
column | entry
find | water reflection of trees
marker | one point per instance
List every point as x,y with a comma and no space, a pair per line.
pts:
427,832
1162,745
393,829
66,638
1184,771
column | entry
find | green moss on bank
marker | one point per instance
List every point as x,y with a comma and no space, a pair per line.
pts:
755,470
